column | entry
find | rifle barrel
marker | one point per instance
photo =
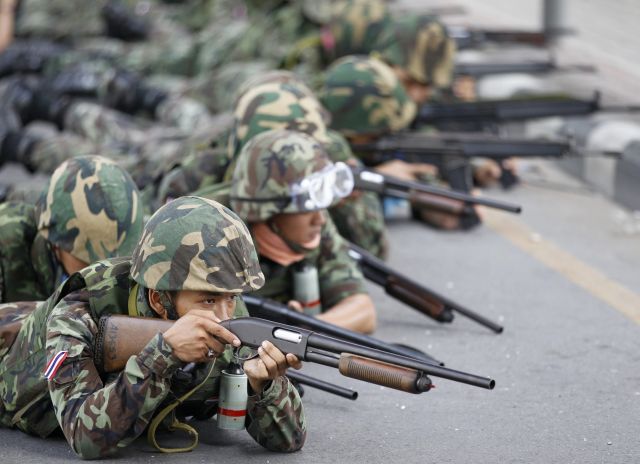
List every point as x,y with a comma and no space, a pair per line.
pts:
381,272
527,67
371,180
334,345
505,110
322,385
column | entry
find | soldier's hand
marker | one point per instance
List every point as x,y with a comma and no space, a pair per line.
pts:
487,173
270,364
295,305
406,171
196,333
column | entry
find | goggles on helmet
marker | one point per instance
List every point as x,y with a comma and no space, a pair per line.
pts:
317,191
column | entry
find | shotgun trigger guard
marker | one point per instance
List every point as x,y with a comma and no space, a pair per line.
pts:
241,359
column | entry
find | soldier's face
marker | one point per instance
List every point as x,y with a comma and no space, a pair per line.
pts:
300,228
417,91
222,304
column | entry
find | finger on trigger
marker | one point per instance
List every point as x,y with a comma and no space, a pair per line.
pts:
222,334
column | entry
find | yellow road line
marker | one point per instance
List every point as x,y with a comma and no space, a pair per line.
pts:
593,281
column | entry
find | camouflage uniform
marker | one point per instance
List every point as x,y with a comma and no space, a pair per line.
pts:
90,209
421,45
359,218
267,167
167,47
340,28
59,19
268,105
279,100
364,97
356,27
338,275
146,152
98,412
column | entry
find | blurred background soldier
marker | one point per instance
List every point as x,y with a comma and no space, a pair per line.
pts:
90,210
367,101
282,185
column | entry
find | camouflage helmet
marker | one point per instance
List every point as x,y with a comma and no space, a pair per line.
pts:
338,147
91,208
192,243
420,44
355,27
276,76
365,97
283,171
276,105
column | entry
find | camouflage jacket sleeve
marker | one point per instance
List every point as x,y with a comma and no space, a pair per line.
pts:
275,418
97,418
18,278
338,274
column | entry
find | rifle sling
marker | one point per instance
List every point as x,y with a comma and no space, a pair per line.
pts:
175,423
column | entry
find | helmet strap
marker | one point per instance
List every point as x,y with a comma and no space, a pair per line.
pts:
297,248
167,304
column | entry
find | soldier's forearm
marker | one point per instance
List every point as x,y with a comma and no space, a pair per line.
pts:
276,420
356,312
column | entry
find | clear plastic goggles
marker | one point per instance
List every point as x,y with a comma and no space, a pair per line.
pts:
320,189
317,191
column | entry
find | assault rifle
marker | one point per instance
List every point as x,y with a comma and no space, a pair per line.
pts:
278,312
498,111
412,293
467,37
430,148
526,67
120,337
452,147
445,200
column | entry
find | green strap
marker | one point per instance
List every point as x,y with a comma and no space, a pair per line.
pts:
132,304
175,423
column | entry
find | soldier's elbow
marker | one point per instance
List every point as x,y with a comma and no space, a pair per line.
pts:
89,450
291,444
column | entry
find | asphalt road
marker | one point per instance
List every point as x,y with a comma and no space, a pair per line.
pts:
566,366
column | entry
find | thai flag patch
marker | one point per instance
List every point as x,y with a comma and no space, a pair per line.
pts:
54,364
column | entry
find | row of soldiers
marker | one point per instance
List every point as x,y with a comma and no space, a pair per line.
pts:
141,159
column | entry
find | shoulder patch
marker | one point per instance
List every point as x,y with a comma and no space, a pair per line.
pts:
54,364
